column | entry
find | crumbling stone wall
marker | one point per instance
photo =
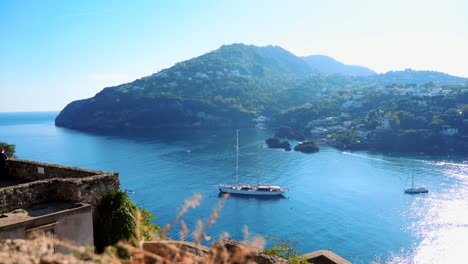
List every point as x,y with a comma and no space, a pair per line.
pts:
58,183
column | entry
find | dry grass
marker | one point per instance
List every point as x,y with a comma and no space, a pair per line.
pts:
191,203
160,250
168,251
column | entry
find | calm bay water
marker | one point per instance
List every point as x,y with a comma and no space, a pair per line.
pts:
351,203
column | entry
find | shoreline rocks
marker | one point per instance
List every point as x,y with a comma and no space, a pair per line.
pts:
307,147
277,143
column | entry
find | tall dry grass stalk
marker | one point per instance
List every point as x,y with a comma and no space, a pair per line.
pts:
202,228
184,232
191,203
169,251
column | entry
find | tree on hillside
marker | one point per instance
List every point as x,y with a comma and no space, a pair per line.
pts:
410,121
9,148
437,124
465,111
449,102
395,122
373,119
453,117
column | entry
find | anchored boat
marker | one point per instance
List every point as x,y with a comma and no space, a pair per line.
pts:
247,189
416,189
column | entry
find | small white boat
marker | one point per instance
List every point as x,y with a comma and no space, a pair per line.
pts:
247,189
417,189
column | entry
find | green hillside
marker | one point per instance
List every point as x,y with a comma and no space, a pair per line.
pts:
227,87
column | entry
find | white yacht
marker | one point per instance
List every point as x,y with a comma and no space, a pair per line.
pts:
247,189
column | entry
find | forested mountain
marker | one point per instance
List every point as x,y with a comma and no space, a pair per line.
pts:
410,76
224,88
327,65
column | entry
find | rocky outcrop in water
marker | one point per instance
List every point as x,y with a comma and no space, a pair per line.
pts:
277,143
307,147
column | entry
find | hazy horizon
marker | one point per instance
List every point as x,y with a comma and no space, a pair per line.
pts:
58,52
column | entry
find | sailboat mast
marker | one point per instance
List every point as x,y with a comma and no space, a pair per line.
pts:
258,165
237,157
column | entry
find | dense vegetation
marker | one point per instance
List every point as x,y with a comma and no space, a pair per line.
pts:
9,148
118,220
287,250
406,118
227,87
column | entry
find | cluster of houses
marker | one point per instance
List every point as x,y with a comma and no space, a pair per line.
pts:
321,128
416,91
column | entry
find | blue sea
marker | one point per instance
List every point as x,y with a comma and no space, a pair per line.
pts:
349,202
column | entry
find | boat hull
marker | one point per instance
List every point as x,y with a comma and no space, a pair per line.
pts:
416,190
252,191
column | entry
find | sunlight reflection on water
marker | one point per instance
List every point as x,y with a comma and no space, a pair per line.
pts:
443,221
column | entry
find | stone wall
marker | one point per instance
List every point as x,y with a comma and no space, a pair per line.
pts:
58,183
27,170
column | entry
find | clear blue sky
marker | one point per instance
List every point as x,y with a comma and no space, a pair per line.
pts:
54,52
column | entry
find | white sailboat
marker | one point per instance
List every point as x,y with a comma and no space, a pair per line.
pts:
416,189
247,189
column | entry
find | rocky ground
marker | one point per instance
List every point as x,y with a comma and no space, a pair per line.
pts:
43,251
